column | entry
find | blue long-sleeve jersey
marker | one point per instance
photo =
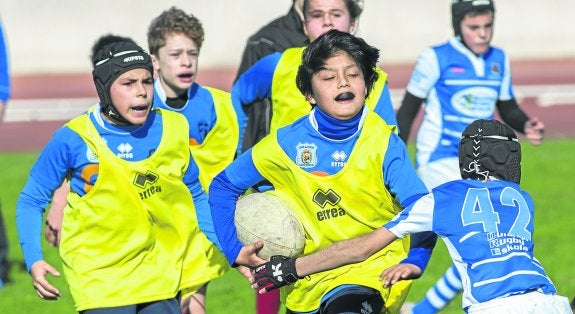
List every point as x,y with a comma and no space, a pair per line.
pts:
4,68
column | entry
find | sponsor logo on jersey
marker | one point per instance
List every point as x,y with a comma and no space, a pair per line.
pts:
495,69
458,70
478,102
328,201
146,182
125,151
503,243
339,157
306,155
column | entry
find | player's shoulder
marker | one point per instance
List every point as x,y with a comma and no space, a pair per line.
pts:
213,91
498,53
448,44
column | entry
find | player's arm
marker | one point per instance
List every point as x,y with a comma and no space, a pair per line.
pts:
45,177
256,48
516,118
344,252
254,84
406,114
53,229
425,75
200,199
225,190
5,89
399,175
281,270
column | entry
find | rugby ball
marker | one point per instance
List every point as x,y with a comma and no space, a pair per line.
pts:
264,216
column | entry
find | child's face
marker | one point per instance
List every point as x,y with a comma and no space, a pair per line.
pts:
339,89
177,64
132,94
324,15
477,31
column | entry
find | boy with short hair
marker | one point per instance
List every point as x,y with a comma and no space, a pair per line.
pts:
175,39
371,181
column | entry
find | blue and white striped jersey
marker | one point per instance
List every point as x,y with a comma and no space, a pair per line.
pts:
459,88
487,227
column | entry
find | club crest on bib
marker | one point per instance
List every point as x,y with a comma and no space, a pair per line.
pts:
495,71
306,155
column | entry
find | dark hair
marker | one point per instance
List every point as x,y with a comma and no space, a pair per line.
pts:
460,8
355,7
329,44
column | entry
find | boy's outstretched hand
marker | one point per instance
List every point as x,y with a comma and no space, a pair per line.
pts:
399,272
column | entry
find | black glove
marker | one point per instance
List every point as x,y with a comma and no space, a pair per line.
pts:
278,272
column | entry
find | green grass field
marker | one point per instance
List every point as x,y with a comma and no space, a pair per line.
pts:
547,174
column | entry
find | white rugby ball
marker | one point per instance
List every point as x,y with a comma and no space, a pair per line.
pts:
264,216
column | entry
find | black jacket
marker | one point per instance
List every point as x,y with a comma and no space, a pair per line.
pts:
280,34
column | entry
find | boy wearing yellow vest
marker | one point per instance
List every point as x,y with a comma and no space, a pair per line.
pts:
343,170
174,40
130,217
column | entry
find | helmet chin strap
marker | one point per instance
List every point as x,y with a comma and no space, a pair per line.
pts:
112,113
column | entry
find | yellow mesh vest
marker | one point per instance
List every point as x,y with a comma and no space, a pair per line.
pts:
212,156
348,204
288,103
124,241
219,147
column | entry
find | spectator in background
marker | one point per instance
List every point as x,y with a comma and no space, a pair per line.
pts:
4,74
4,96
276,36
460,81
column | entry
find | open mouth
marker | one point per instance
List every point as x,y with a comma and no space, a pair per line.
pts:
185,75
345,96
140,108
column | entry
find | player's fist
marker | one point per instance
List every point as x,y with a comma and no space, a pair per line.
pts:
278,272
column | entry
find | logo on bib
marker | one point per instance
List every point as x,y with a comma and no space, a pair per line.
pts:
306,155
146,182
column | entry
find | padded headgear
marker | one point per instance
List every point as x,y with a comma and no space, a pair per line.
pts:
459,8
111,61
490,148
